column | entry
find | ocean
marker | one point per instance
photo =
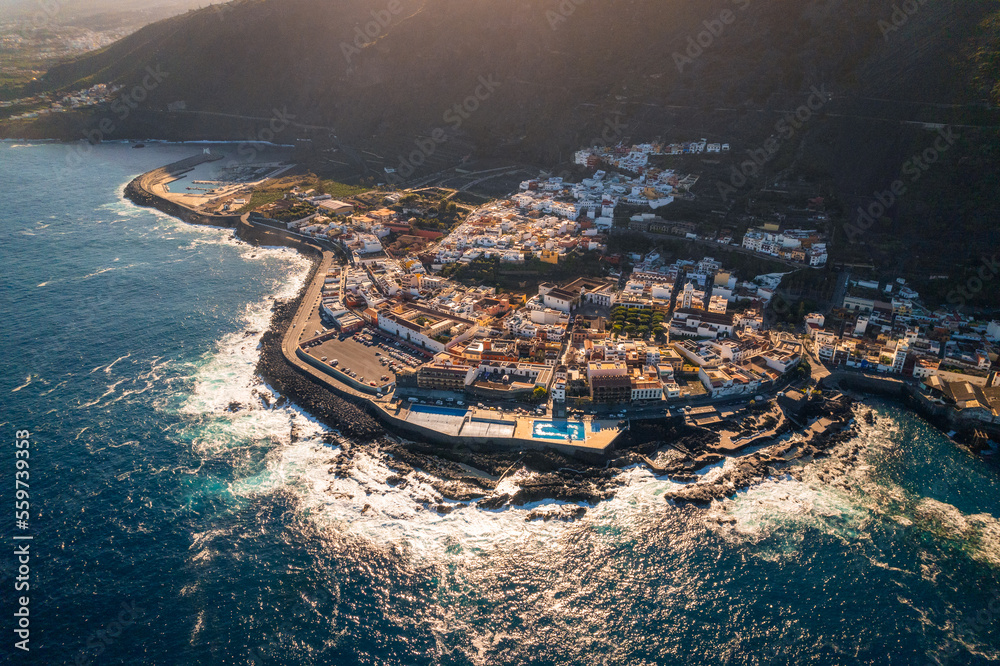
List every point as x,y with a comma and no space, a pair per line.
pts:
177,518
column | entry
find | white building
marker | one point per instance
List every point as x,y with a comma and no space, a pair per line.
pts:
558,299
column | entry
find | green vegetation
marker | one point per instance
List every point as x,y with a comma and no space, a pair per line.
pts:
275,190
494,273
787,311
638,323
432,224
296,212
339,190
674,247
539,395
261,198
470,198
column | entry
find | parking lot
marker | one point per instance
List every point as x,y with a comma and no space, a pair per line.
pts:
368,356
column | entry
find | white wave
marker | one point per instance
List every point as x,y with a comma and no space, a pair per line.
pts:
27,382
785,503
55,388
833,496
977,534
106,270
111,389
130,393
226,377
107,370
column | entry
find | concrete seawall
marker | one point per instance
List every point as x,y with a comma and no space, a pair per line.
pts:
887,386
140,192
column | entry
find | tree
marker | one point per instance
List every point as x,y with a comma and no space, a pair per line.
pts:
539,394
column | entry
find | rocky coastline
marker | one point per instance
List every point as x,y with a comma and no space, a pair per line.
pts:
667,447
543,475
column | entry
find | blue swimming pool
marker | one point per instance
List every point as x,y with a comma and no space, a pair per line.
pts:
559,430
443,411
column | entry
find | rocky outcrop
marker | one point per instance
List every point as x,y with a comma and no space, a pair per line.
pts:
780,458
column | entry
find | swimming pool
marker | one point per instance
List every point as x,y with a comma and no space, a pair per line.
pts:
559,430
442,411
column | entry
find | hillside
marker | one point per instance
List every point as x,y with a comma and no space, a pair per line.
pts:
561,74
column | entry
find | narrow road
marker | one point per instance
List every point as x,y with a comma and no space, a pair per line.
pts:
311,300
290,343
841,290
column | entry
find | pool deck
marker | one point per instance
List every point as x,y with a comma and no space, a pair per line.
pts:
593,441
483,426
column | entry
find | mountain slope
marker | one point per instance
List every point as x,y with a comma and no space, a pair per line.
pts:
562,74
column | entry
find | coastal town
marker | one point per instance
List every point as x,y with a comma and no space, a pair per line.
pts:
468,332
459,322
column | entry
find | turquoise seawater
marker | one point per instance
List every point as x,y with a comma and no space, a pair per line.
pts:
128,337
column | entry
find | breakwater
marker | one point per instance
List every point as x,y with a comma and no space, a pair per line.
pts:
326,406
140,192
